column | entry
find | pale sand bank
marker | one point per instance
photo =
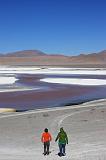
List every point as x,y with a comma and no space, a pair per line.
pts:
75,81
85,124
7,80
2,110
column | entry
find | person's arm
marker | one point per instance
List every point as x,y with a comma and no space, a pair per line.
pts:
50,137
57,138
42,138
66,138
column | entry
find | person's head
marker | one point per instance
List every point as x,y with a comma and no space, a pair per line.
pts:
46,130
61,129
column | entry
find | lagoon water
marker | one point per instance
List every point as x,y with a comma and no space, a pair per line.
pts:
30,88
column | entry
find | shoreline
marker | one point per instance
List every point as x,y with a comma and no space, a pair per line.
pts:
74,106
57,108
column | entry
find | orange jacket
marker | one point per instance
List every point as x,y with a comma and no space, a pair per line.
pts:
46,136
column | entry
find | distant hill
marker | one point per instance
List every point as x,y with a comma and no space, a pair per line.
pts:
99,57
25,53
38,58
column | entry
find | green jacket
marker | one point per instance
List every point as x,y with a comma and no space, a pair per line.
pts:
62,137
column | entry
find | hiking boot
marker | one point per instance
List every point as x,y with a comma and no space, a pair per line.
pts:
60,154
47,153
44,153
63,154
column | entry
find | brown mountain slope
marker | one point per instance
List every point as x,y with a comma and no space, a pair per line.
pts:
25,53
35,57
99,57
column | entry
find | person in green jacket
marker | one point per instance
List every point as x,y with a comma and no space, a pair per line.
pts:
62,141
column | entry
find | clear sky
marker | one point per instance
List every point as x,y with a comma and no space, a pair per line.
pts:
53,26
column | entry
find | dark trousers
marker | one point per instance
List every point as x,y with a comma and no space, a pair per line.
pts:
46,147
62,148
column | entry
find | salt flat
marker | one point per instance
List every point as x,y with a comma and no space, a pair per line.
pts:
7,80
8,75
75,81
34,70
85,125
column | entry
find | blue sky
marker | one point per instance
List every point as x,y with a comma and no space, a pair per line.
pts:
66,27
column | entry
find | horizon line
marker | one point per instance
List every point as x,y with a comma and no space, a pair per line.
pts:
63,54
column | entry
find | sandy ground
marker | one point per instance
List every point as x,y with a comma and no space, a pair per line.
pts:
85,125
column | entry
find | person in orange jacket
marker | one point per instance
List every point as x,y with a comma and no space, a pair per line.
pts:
46,138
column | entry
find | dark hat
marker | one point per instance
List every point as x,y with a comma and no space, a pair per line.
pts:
61,129
46,130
